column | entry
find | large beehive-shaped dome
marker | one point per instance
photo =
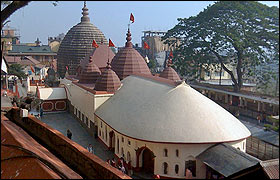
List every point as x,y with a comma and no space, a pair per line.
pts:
77,43
128,61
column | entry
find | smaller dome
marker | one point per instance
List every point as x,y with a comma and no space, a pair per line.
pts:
170,73
108,81
90,73
129,61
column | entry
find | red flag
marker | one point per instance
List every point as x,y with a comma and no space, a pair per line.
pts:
131,17
94,44
111,44
146,46
66,68
32,69
171,54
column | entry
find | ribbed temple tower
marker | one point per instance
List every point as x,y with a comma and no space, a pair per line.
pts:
77,43
128,61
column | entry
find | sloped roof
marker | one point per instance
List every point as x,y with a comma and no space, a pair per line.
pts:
161,112
90,73
170,73
128,61
52,93
18,48
99,56
227,160
20,155
109,81
271,168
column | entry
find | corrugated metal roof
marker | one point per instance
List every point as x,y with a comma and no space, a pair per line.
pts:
267,136
271,168
226,159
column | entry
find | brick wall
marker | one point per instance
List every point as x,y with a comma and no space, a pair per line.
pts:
75,156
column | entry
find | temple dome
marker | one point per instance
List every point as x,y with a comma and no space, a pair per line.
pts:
160,110
90,73
109,81
77,43
128,61
100,56
170,73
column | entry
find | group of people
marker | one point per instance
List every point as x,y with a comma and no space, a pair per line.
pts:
123,166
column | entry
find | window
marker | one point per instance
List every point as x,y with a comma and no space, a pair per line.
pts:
83,117
122,139
87,121
122,152
99,132
79,115
191,165
177,153
128,142
165,153
106,136
128,156
165,168
118,145
176,168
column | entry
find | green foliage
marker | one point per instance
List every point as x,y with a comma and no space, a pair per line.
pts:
152,65
17,70
240,33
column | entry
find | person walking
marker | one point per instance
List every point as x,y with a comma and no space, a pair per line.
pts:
69,134
90,149
41,111
259,119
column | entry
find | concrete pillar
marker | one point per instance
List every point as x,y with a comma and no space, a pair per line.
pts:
226,98
241,101
259,106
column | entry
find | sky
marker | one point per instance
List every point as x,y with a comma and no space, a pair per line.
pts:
41,19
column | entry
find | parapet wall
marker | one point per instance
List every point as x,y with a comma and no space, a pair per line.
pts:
88,165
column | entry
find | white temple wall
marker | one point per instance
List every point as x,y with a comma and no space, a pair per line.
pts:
185,152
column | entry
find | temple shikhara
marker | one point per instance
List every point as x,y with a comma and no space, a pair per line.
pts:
156,123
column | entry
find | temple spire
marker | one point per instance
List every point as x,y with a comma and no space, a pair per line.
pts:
85,17
128,39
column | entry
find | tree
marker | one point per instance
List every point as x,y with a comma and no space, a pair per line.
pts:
17,70
238,33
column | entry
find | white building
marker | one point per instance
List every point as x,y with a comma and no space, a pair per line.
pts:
161,126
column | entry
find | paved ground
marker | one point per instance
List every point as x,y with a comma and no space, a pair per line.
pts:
63,121
6,101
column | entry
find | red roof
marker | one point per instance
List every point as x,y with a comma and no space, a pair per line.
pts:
90,73
271,168
109,81
23,158
128,61
99,55
170,73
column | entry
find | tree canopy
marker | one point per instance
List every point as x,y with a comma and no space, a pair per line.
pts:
240,33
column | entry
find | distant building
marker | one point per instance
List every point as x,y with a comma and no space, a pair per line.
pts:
54,42
10,36
41,53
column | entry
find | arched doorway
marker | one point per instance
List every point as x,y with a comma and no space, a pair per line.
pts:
148,161
112,141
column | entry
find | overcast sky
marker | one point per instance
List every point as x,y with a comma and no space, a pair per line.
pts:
41,19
